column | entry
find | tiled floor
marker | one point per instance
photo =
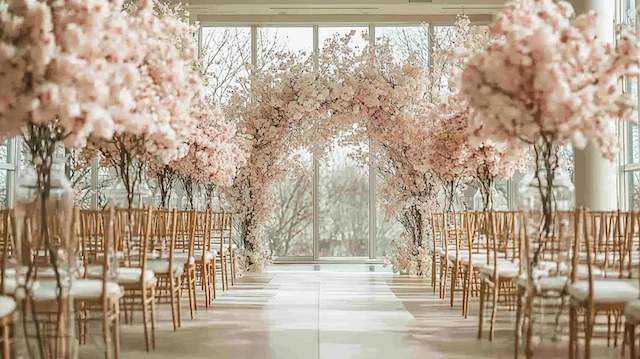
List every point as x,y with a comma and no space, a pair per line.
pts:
328,311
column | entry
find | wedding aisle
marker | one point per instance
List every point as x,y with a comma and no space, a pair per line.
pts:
328,311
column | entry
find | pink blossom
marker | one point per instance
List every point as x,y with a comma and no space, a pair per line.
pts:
549,78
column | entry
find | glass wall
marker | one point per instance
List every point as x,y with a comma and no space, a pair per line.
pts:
630,132
325,207
226,56
290,229
344,203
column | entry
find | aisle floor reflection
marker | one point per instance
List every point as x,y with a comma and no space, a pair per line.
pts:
340,311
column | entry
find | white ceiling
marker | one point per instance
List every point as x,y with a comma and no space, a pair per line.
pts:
293,11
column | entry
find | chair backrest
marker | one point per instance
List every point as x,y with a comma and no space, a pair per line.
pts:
453,232
92,237
134,226
185,231
166,225
471,222
437,230
6,242
202,237
503,237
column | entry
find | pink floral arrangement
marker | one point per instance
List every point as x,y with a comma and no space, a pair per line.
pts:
547,81
71,63
548,78
214,151
273,119
448,147
169,86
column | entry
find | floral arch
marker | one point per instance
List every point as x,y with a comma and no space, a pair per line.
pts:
300,103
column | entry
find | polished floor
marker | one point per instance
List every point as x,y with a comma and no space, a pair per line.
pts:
328,311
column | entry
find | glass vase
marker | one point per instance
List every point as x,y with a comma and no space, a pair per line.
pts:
45,266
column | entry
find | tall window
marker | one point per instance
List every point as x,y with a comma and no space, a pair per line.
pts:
290,229
344,182
630,157
406,41
7,171
226,53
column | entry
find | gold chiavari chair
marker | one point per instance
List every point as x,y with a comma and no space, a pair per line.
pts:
230,245
437,252
605,294
449,257
184,253
168,269
219,233
137,280
502,267
475,257
100,293
205,256
7,304
45,309
549,277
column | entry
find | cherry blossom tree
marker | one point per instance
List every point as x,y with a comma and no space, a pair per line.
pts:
383,97
165,177
546,81
214,152
448,147
168,87
491,160
272,117
68,70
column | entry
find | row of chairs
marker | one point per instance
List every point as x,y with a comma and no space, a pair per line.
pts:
129,261
580,267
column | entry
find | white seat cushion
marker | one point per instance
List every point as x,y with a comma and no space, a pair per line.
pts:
7,306
161,266
126,275
546,283
504,269
92,289
606,291
197,255
132,275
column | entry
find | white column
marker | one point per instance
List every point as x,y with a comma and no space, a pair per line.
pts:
596,177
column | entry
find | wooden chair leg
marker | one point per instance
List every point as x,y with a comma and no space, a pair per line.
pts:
608,329
588,332
494,308
434,267
206,278
145,303
443,283
226,273
232,264
6,344
106,334
213,278
518,329
464,290
174,303
191,299
193,288
454,282
116,330
632,340
153,317
616,329
481,310
572,332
